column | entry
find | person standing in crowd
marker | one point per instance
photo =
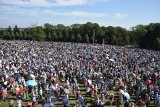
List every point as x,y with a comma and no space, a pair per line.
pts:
4,94
93,68
126,104
118,103
34,100
111,98
19,102
11,103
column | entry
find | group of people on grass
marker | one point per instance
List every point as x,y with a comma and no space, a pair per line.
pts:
87,74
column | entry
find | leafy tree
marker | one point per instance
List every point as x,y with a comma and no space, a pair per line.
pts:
157,43
122,37
60,36
65,35
38,34
153,32
49,37
145,36
47,29
16,29
16,37
110,35
6,35
78,38
29,37
86,38
9,29
12,35
54,36
72,39
24,35
137,35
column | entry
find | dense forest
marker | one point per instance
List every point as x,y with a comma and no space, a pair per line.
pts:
144,36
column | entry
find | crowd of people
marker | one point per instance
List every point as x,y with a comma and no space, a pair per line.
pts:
110,75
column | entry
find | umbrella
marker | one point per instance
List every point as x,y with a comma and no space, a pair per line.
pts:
31,82
89,82
32,76
49,53
112,60
148,82
122,92
66,91
95,73
34,54
127,95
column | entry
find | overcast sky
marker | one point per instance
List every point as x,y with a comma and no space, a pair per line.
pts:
124,13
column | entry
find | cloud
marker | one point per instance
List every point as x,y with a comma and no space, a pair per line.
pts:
70,2
15,11
120,15
76,13
5,8
33,13
3,17
45,3
27,2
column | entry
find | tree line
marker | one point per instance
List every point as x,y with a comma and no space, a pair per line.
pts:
144,36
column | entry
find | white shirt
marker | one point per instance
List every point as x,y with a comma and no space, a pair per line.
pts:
40,91
19,103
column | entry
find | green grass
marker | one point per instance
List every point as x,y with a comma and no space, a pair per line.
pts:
72,99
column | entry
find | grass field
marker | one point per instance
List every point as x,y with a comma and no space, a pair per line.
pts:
72,99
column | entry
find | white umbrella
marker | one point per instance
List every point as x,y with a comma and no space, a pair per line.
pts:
32,76
127,95
95,73
89,82
122,92
112,60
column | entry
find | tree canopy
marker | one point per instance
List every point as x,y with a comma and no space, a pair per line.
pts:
145,36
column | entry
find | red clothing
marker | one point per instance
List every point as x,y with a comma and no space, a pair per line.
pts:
85,82
4,92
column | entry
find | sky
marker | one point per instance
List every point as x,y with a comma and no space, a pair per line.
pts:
124,13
